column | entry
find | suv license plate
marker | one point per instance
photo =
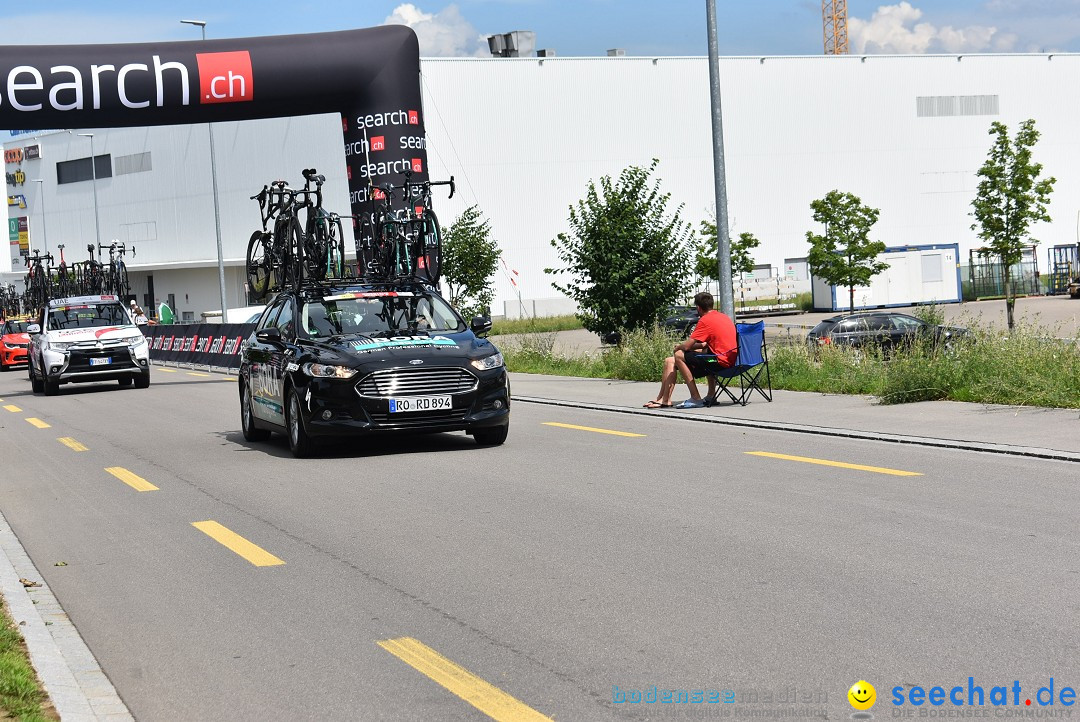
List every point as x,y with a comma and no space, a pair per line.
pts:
105,360
420,403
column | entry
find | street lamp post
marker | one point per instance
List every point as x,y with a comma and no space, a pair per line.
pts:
41,198
214,183
723,250
93,168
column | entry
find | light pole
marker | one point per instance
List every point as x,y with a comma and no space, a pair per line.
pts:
93,168
723,250
41,197
217,208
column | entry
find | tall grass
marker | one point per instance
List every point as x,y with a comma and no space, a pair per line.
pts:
1029,367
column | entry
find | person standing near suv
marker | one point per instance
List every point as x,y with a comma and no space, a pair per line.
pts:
715,334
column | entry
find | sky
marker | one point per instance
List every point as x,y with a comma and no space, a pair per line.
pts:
574,27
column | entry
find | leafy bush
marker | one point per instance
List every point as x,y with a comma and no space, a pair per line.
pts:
627,258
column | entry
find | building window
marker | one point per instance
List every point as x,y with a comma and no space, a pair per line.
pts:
939,106
137,163
74,171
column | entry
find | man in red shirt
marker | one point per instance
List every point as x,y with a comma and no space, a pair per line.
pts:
715,334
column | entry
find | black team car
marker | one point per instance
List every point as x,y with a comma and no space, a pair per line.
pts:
365,359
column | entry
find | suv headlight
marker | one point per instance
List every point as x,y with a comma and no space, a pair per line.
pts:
58,345
136,341
487,363
326,371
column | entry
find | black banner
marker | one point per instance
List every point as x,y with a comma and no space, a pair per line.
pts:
370,77
202,344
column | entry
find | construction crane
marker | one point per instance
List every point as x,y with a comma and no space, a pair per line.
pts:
834,21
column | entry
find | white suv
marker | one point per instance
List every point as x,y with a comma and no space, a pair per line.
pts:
86,338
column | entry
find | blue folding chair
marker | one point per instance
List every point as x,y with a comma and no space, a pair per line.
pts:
753,360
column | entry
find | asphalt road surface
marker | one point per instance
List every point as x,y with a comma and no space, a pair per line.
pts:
424,578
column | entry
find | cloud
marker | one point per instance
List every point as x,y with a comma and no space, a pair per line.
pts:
896,29
445,33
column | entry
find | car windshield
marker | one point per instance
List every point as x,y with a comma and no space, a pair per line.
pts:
15,327
87,315
379,313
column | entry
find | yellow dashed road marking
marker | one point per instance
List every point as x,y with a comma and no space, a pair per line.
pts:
196,373
13,408
590,428
841,464
38,423
487,698
135,481
71,443
230,539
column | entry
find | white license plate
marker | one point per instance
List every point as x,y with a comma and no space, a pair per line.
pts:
104,361
420,403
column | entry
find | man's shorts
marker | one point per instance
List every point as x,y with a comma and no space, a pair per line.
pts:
700,363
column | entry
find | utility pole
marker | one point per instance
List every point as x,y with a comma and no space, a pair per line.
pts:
723,250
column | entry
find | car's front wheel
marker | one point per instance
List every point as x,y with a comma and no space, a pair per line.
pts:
124,381
299,441
35,383
52,388
142,381
247,420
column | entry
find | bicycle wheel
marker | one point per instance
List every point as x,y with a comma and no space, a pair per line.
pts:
429,264
335,248
123,287
291,239
259,264
315,249
369,257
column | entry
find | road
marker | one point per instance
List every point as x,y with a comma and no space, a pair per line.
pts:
398,578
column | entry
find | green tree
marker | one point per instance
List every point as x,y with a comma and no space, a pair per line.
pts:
469,260
1009,199
626,256
845,255
706,264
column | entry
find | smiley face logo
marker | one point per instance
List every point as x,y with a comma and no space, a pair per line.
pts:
862,695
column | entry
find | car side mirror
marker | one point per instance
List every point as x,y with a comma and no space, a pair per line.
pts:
271,334
33,328
480,325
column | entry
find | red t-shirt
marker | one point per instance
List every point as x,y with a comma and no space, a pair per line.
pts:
718,333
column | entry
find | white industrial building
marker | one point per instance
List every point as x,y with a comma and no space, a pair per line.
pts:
523,137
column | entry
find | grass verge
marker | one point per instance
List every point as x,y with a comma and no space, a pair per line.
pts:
1029,367
21,694
544,324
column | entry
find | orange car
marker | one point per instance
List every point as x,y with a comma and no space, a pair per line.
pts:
13,344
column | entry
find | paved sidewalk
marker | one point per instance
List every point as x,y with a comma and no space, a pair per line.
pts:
1048,433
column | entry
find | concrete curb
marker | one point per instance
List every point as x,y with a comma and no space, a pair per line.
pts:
74,681
699,416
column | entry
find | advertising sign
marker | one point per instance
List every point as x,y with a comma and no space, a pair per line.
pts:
370,77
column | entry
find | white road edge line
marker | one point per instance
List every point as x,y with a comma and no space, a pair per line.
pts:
67,668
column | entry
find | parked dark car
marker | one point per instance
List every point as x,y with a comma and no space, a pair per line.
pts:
366,359
680,319
878,328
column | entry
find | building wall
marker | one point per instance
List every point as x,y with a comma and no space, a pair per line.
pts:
523,138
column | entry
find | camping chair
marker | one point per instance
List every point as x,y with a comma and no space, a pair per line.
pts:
752,361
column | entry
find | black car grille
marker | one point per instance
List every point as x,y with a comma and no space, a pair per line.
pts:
416,382
420,418
79,359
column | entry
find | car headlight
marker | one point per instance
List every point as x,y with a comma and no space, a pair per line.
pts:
326,371
487,363
136,341
58,345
